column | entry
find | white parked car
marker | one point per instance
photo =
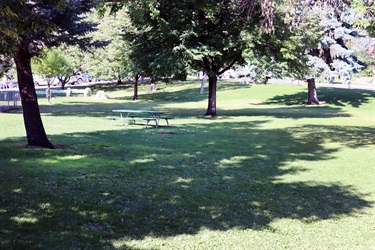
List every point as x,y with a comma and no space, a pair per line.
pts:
80,78
43,81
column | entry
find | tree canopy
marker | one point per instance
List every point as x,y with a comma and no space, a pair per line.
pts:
53,63
166,38
113,59
207,35
341,43
213,36
45,23
31,26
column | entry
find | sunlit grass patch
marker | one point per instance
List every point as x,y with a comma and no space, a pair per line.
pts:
263,175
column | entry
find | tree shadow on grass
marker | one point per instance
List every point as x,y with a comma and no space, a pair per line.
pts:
123,185
185,95
188,94
344,97
334,96
295,112
97,109
337,98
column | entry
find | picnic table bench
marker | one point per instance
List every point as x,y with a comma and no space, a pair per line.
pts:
134,115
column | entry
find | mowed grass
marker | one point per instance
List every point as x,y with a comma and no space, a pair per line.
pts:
268,173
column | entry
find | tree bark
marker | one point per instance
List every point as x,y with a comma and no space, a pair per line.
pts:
36,135
312,95
119,80
212,83
63,80
48,91
136,79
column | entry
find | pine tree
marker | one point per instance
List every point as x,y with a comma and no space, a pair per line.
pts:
335,56
26,28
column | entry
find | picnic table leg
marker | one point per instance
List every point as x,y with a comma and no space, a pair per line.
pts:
147,121
124,118
157,120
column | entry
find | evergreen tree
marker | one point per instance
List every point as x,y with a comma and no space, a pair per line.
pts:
281,50
26,28
340,44
365,12
335,55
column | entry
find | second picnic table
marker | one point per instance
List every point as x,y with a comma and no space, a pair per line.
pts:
153,115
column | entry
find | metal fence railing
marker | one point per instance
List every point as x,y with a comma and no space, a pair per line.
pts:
9,98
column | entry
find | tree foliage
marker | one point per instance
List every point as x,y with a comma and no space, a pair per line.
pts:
6,64
206,35
152,50
336,56
341,22
31,26
365,12
110,61
45,23
213,36
281,50
53,63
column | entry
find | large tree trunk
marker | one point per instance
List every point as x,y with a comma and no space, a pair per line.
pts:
212,83
36,135
312,95
136,79
323,53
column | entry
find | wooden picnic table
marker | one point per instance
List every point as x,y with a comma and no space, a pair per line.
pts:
152,115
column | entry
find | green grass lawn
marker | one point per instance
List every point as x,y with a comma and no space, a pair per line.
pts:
268,173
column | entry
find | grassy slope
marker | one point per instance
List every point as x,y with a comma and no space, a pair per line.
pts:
267,173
